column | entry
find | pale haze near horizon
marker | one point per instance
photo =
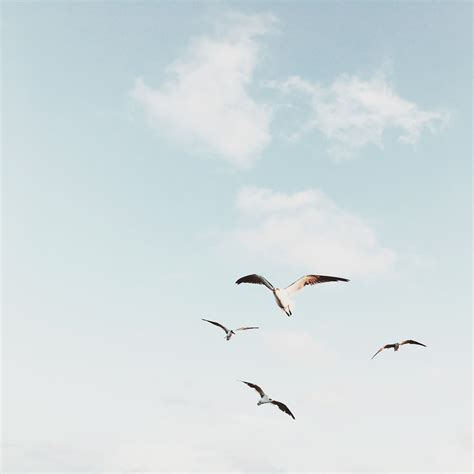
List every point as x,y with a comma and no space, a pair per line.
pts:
153,154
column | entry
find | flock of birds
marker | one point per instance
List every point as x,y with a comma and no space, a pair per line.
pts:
282,298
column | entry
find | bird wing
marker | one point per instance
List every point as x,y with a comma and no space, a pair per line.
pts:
216,324
311,280
283,408
245,328
256,387
387,346
411,341
258,279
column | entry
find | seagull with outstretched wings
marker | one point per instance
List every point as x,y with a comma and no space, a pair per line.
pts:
282,295
395,346
229,332
265,399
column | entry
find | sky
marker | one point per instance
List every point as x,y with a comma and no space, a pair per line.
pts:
153,153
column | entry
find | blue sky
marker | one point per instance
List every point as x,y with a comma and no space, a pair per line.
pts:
154,153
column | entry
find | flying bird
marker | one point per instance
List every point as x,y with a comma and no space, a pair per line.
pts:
230,332
265,399
282,296
397,345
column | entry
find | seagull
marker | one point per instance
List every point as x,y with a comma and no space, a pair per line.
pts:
282,296
230,332
264,399
397,345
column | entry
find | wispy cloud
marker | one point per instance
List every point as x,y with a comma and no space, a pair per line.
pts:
206,102
308,231
353,112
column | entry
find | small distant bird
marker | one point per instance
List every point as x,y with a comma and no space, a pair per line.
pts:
230,332
264,399
397,345
282,296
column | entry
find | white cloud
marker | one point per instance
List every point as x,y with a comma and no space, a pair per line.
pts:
260,201
309,231
206,101
353,112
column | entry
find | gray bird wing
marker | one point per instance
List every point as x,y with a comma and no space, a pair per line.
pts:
387,346
283,408
216,324
311,280
255,387
411,341
257,279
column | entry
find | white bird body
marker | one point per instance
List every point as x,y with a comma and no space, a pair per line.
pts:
264,399
282,296
283,300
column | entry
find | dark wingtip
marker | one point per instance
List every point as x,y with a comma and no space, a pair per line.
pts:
241,279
